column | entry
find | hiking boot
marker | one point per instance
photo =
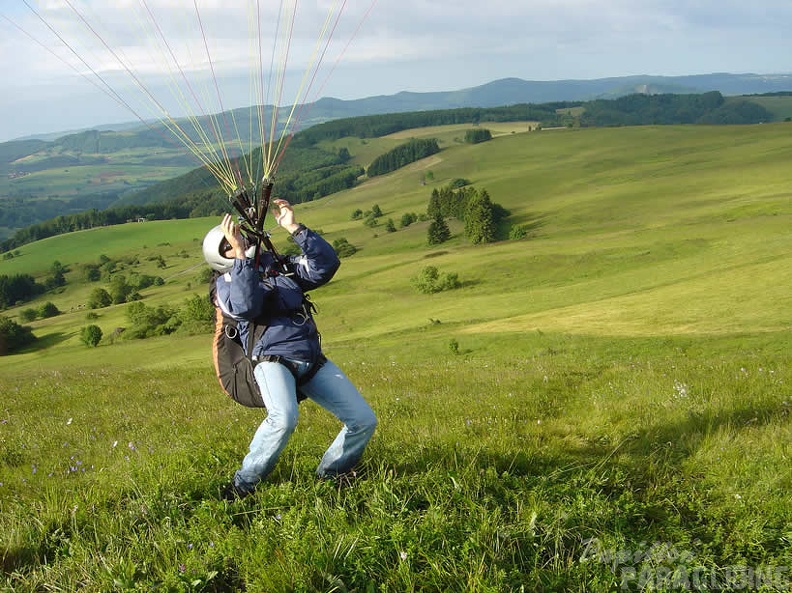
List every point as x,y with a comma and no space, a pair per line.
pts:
345,480
232,492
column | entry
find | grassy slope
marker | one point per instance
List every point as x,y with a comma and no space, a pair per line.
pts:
621,376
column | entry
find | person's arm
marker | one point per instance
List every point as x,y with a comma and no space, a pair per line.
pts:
319,261
246,294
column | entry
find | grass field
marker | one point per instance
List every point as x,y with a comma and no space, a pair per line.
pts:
602,406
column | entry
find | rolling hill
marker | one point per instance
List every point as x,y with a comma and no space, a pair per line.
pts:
619,216
601,401
95,170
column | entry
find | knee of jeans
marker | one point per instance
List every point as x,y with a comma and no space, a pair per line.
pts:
367,422
283,422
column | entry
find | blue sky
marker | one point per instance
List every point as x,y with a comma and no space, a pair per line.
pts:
409,45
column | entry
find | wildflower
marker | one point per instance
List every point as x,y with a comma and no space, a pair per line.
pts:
68,422
182,568
403,555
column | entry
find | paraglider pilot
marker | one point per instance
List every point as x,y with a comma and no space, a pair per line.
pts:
289,350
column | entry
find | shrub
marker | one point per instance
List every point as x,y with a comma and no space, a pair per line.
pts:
143,281
91,272
408,218
57,280
344,248
121,291
29,314
91,335
429,280
99,298
205,275
197,315
150,321
517,232
13,336
48,309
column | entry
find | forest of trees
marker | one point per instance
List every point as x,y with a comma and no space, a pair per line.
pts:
477,135
402,155
18,288
640,109
480,215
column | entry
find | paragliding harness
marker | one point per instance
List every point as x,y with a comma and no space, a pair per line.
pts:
234,362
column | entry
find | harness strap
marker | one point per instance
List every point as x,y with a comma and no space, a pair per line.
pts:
318,364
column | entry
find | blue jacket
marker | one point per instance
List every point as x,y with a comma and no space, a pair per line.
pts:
248,292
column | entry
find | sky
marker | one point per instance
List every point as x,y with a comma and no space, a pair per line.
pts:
71,64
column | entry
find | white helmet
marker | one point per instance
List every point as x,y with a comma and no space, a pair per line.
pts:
214,257
211,251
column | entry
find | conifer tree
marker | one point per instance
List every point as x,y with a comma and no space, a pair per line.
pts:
434,207
438,230
479,219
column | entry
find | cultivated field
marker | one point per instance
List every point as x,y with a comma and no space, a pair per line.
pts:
603,405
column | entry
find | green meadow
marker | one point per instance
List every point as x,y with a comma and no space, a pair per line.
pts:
603,405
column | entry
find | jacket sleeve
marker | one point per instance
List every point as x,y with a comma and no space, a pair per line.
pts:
318,262
245,294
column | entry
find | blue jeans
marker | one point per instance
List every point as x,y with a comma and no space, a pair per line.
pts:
329,388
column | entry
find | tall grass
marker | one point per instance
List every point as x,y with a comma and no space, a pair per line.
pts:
494,469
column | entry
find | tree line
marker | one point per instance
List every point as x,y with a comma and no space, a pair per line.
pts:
634,109
402,155
376,126
671,109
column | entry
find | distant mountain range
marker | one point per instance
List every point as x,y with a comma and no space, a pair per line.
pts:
510,91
